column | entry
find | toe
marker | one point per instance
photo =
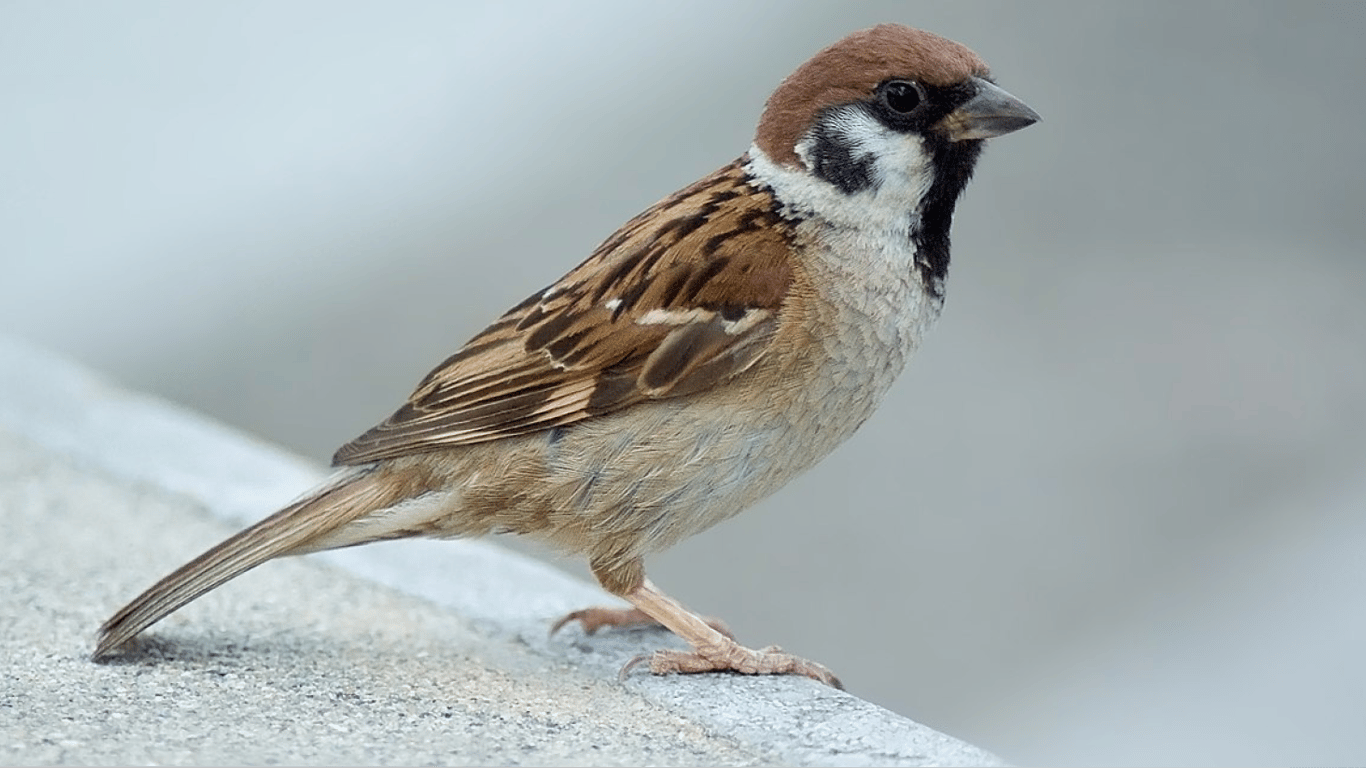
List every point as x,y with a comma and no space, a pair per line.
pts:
734,658
593,619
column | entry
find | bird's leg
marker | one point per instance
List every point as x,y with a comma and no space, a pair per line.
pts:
713,647
712,651
620,577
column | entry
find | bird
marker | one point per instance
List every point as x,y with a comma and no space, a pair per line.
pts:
710,350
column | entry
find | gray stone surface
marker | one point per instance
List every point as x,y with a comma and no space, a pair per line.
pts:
404,653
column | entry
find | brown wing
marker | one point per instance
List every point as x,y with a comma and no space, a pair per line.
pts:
680,299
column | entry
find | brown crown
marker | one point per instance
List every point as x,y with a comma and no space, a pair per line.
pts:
850,70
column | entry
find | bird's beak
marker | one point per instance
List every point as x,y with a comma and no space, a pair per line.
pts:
992,112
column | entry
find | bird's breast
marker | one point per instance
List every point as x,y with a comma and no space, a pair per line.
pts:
658,472
870,313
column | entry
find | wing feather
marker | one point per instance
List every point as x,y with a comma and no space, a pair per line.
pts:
679,300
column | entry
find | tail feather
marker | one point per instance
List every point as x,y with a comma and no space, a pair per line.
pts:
289,531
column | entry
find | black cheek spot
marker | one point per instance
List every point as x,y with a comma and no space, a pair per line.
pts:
835,162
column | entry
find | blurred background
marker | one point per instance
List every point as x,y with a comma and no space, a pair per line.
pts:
1113,512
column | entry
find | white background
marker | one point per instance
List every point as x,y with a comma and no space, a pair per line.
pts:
1112,514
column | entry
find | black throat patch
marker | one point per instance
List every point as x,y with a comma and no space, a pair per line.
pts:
953,164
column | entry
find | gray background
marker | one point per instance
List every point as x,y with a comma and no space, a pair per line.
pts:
1112,513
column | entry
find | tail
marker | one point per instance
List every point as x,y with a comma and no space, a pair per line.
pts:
296,529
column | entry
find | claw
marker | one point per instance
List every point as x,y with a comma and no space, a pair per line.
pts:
630,665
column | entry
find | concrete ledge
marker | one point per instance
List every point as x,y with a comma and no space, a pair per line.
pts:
404,653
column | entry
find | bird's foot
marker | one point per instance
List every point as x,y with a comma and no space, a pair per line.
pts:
593,619
733,657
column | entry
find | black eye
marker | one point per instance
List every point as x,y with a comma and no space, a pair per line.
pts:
901,96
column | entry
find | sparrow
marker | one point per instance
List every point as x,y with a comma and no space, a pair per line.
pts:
713,348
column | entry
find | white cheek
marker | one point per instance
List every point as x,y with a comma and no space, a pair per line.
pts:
901,165
901,176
